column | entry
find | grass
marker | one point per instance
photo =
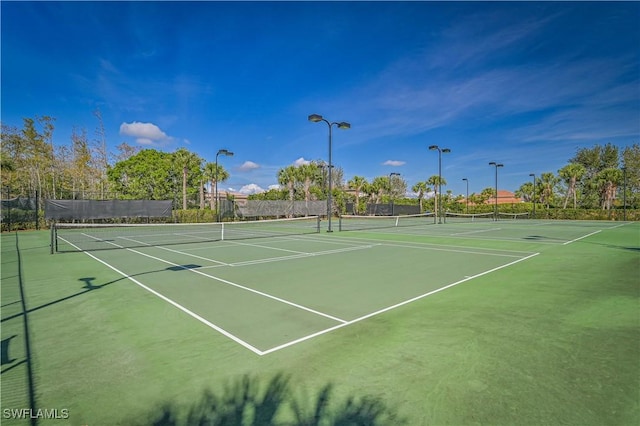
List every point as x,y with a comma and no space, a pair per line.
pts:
551,340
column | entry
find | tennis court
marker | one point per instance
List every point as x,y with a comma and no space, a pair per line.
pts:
468,318
274,284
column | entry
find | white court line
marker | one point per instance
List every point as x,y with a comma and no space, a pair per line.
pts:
195,271
177,305
431,245
477,232
177,251
397,305
455,250
579,238
265,247
302,255
257,351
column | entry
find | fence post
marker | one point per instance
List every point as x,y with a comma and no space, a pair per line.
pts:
37,210
8,208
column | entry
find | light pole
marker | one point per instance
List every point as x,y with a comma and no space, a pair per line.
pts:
315,118
467,198
495,208
440,151
534,194
624,194
391,190
216,195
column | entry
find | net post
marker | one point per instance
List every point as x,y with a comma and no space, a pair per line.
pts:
339,223
221,231
54,240
317,224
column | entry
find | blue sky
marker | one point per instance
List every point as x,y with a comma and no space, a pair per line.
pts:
523,84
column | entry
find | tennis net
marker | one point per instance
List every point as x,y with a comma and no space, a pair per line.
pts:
88,237
355,223
468,218
513,216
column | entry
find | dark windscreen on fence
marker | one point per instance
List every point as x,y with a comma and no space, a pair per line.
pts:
19,213
105,209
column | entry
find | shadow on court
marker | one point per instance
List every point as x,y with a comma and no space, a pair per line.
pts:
7,359
248,402
89,286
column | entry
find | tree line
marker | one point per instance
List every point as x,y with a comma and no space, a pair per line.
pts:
595,177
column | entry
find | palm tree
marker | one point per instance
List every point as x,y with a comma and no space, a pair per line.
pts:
436,181
307,173
185,160
211,173
379,186
486,194
421,188
571,174
548,182
288,177
608,181
357,184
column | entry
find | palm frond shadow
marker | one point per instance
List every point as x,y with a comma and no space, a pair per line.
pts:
243,402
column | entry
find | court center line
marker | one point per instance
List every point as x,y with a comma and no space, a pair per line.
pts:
397,305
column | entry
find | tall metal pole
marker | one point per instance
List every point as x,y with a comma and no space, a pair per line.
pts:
467,197
216,194
533,198
440,151
391,190
315,118
495,208
329,202
624,194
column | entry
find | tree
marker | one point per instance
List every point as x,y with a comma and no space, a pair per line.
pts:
421,188
547,182
526,192
608,181
595,160
150,175
211,173
186,160
435,181
307,175
485,194
571,174
631,161
82,176
288,177
357,184
101,154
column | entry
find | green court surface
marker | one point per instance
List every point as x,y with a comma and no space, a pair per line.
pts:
505,322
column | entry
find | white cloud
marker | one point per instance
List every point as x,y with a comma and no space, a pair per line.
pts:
145,133
248,165
252,188
274,187
394,163
301,161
